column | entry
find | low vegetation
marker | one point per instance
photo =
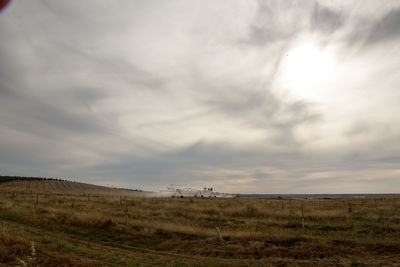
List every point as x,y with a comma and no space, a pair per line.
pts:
56,229
40,185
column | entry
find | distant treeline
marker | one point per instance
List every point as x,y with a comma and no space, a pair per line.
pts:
4,179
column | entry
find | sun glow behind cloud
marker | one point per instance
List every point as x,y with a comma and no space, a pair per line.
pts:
307,70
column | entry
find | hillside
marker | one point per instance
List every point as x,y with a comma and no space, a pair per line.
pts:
55,186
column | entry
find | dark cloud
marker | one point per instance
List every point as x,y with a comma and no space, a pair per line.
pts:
387,28
373,30
263,110
284,21
211,162
277,21
326,20
202,161
42,115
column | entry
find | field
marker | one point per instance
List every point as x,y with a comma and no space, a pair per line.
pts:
34,186
48,228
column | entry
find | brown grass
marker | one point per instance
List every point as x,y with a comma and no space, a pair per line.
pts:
256,232
36,186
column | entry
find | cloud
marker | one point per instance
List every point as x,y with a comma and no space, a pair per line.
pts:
277,21
152,93
386,28
368,24
326,19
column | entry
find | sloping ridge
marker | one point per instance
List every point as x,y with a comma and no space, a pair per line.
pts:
55,186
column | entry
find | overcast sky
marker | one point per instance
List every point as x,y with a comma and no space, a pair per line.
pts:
244,96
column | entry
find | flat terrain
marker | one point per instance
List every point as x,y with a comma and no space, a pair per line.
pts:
63,230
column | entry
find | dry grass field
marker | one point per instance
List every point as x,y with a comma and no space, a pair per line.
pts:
67,187
48,229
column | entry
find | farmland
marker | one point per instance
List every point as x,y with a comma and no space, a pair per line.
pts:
64,228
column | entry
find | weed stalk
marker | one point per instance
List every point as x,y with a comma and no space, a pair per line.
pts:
218,234
219,220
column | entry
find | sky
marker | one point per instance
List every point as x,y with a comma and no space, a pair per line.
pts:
242,96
